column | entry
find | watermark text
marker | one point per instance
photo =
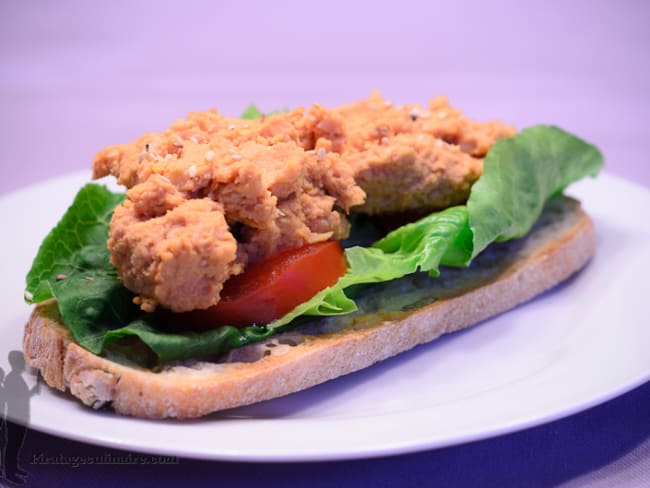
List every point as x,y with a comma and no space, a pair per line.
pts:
75,461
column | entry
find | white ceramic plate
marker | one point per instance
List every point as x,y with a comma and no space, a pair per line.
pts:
574,347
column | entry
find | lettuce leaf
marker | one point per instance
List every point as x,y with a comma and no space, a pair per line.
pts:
251,112
520,175
77,243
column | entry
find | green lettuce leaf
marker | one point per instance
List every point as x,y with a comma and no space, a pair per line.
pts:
171,346
520,175
251,112
77,243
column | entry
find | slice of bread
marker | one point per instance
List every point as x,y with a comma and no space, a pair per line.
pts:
392,318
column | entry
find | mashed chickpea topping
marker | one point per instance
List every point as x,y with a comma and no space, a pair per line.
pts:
212,194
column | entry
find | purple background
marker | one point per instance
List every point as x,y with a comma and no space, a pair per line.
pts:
77,76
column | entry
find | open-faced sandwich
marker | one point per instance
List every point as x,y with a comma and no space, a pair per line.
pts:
251,258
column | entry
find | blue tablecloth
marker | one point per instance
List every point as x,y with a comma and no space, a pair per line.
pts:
605,446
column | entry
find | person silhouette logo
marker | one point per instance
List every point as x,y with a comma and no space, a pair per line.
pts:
14,403
3,428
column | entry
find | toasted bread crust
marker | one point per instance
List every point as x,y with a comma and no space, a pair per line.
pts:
560,244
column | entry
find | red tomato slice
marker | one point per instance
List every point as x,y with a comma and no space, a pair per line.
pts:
271,288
